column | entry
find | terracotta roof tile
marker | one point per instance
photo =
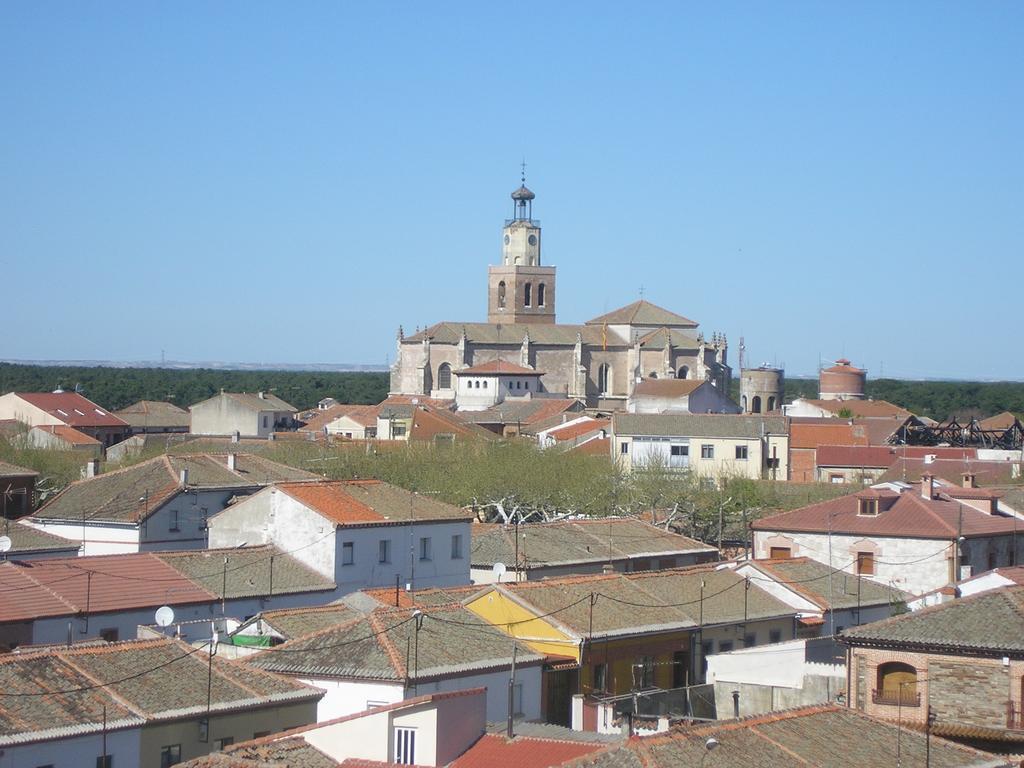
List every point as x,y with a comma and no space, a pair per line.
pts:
347,502
493,750
911,516
72,409
68,434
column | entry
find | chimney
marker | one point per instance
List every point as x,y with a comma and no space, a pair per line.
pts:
235,436
970,480
92,468
233,462
183,475
261,395
927,486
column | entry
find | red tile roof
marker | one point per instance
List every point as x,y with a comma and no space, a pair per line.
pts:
572,431
498,367
72,409
68,434
364,415
911,516
810,433
104,583
330,500
596,447
867,456
492,750
428,423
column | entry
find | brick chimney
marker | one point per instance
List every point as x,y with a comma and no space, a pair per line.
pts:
927,486
233,462
183,476
970,480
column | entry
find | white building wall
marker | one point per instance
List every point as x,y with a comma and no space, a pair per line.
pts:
275,517
98,539
529,677
124,746
13,407
346,697
913,565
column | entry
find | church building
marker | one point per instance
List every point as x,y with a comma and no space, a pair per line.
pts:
599,362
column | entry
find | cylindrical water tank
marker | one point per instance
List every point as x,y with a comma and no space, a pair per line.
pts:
843,381
762,389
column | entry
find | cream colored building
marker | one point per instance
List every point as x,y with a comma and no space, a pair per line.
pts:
256,414
710,445
598,362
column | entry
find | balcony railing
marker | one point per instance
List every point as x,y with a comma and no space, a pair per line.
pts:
896,698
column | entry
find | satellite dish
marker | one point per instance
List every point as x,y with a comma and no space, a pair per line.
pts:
498,569
164,616
5,543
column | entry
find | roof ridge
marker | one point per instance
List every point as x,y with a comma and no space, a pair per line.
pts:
384,642
107,688
927,508
753,729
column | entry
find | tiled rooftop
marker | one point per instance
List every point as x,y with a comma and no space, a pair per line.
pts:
812,580
576,541
910,516
153,414
493,750
25,540
131,494
724,425
451,640
649,601
146,680
72,409
250,571
820,737
347,502
991,622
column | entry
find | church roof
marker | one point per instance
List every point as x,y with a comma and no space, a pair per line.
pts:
643,312
498,367
544,334
657,339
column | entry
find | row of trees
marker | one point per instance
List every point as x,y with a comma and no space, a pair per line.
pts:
513,481
115,388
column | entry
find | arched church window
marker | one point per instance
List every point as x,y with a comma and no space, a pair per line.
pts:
743,403
755,404
683,373
485,383
444,376
540,295
527,294
501,294
604,378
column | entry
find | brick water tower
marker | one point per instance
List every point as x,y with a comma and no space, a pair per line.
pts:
843,381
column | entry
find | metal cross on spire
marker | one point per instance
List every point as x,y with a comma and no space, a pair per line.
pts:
523,166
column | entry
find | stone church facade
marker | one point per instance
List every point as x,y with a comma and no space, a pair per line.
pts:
598,362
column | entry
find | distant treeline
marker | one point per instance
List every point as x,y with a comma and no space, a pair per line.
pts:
115,388
935,399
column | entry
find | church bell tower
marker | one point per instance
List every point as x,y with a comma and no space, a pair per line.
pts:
520,290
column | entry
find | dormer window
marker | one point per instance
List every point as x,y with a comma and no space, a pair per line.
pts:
867,507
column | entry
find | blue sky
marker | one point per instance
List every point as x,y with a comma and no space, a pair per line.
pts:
289,182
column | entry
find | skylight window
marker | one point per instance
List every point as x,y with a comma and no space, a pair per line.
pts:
101,413
62,413
79,412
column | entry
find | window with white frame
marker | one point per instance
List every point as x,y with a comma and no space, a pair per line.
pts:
405,746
